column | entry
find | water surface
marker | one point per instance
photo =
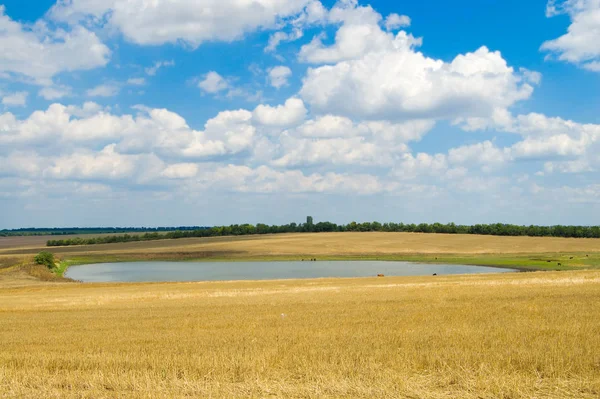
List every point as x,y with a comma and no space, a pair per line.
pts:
215,271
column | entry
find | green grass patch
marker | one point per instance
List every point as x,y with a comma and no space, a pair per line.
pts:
528,262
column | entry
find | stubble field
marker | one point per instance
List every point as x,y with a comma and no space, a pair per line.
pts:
514,335
519,335
520,252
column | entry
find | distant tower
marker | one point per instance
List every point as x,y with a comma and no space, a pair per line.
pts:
309,224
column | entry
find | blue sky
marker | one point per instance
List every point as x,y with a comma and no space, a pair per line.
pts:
196,112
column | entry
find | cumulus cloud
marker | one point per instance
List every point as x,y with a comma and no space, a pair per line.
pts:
152,130
378,75
291,113
54,92
395,21
564,144
152,71
580,44
280,37
189,21
180,171
264,179
420,165
39,54
18,99
403,83
213,83
314,14
141,149
106,164
279,75
485,153
335,140
333,151
104,90
360,32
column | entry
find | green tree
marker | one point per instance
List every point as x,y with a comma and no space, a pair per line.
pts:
45,258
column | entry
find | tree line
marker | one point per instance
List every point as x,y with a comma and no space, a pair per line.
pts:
497,229
61,231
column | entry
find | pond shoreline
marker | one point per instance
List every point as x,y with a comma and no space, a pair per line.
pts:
152,271
514,263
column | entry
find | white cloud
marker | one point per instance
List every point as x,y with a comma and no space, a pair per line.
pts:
329,126
213,83
279,37
54,92
136,81
314,14
39,53
105,90
359,34
395,21
334,140
564,144
403,83
379,75
485,153
334,151
291,113
580,45
189,21
264,179
593,66
558,145
421,165
151,71
20,163
279,75
180,171
18,99
106,164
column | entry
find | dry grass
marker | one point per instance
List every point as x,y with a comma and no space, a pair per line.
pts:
329,244
495,336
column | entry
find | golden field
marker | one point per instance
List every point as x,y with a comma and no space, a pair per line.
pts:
351,243
513,335
516,335
528,253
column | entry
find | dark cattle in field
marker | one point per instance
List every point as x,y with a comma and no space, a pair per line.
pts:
435,274
380,275
560,264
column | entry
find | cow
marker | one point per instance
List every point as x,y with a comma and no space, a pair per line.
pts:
380,275
435,274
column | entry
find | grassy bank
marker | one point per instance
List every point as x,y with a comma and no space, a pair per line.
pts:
523,253
516,335
529,262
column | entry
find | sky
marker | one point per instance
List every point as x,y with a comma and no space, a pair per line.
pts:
205,112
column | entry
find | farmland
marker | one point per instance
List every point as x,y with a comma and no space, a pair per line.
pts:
514,335
524,252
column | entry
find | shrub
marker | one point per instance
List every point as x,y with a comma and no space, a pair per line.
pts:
45,258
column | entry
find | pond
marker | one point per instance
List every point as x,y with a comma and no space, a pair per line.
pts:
218,271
